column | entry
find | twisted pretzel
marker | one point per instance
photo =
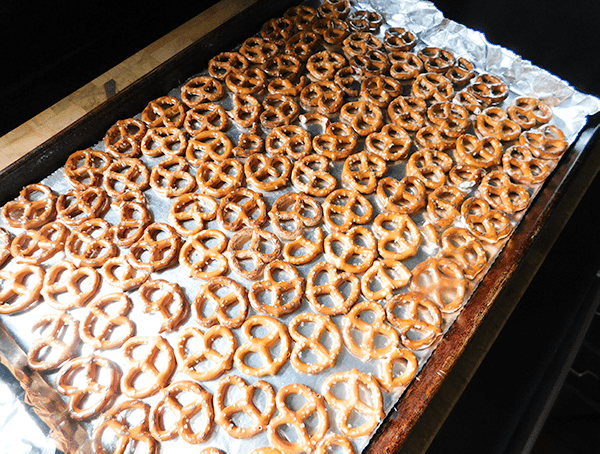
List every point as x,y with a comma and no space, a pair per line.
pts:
249,82
165,111
484,153
225,63
405,196
262,247
105,329
399,39
465,176
364,117
242,207
365,21
278,110
431,86
392,143
126,174
67,287
405,66
202,254
488,89
205,116
157,249
331,29
258,50
58,342
443,205
362,171
91,243
37,246
190,212
164,140
547,142
221,301
209,145
433,137
249,143
398,236
494,122
461,73
246,110
290,140
374,64
85,168
20,289
280,292
359,43
35,206
398,369
354,251
324,95
408,112
520,165
292,212
345,207
324,64
311,175
429,166
462,247
329,297
385,276
305,248
303,43
277,30
124,137
483,222
167,299
443,281
76,206
283,66
121,274
201,89
436,60
267,173
497,189
529,112
217,179
451,118
338,141
170,177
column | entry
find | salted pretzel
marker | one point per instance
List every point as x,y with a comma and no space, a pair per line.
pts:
494,122
74,207
432,87
485,152
252,81
398,237
38,246
5,241
202,89
365,21
21,288
242,207
375,63
383,278
202,254
278,110
408,112
119,273
303,43
399,39
434,138
134,218
126,424
221,301
344,208
170,177
91,383
398,369
267,173
443,205
529,112
405,196
380,90
217,179
461,246
156,374
280,292
429,166
158,248
262,334
164,111
362,170
392,143
105,328
465,176
305,248
57,343
247,404
309,423
277,30
190,212
461,72
546,142
248,143
188,407
258,50
205,356
85,168
209,145
361,395
225,63
469,102
205,116
329,297
332,30
337,142
67,286
323,95
359,43
164,140
123,138
286,87
292,212
126,174
489,89
91,243
436,60
364,117
451,118
167,299
283,66
485,223
443,281
311,175
245,111
497,189
302,16
262,247
347,78
405,66
353,251
418,319
291,140
35,206
324,64
522,167
338,9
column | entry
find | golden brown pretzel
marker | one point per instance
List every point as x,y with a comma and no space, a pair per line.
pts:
202,254
249,82
380,90
399,39
85,168
121,274
436,60
408,112
338,141
302,16
494,122
462,72
158,248
135,217
278,110
311,175
35,206
464,248
398,236
484,153
257,50
383,278
324,64
305,248
434,138
217,179
364,117
267,173
286,87
67,287
164,111
405,196
37,246
209,145
329,298
323,95
465,176
190,212
443,205
277,30
398,369
246,110
335,9
283,66
347,78
344,208
443,281
280,292
57,343
432,87
331,29
170,177
469,102
291,140
225,63
405,66
529,112
104,328
485,223
164,140
353,251
124,137
322,340
167,299
375,63
292,212
221,301
201,89
362,170
488,89
203,116
263,247
126,174
242,207
248,143
5,240
303,43
392,143
497,189
451,118
429,166
74,207
365,21
91,243
359,43
520,165
547,142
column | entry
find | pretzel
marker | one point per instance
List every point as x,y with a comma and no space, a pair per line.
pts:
399,39
67,287
529,112
221,301
242,208
167,299
248,143
35,206
201,89
209,355
283,66
85,168
258,50
249,82
124,137
398,369
263,247
280,292
302,16
353,251
170,177
277,30
497,189
494,122
338,9
169,141
398,236
123,433
485,223
434,138
332,30
488,89
359,43
209,145
156,374
469,102
338,142
301,421
365,21
432,87
464,248
292,212
323,95
392,143
417,318
205,116
465,176
278,110
408,112
484,153
461,72
443,281
443,205
126,174
303,43
405,66
311,175
429,166
289,139
358,387
225,414
21,288
286,87
343,208
5,241
157,249
225,63
261,344
217,179
119,273
267,173
329,297
91,244
57,343
104,328
364,118
405,196
37,246
375,63
135,217
246,110
202,254
305,248
164,111
362,170
91,384
324,64
451,118
520,165
547,142
74,207
184,402
190,212
383,278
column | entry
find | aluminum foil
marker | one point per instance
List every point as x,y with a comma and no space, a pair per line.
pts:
570,107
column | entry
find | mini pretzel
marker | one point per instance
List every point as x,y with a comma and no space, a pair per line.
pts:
464,248
263,247
434,138
429,166
451,118
202,254
547,142
283,66
280,292
278,110
157,249
374,64
405,196
119,273
365,21
258,50
292,212
225,63
135,217
465,176
183,401
167,141
494,122
35,206
225,415
262,345
67,287
417,318
311,175
432,87
74,207
300,420
249,82
303,43
167,299
436,60
497,189
364,117
165,111
408,112
461,73
85,168
157,374
289,139
345,207
246,110
359,43
37,246
126,174
338,142
277,30
404,66
483,222
320,293
209,145
354,251
170,177
392,143
205,116
91,383
221,301
469,102
356,384
362,171
210,353
529,112
267,173
443,281
398,369
217,179
331,29
242,208
190,212
105,328
398,236
21,288
399,39
248,144
518,163
58,342
286,87
305,248
324,64
484,153
347,78
91,244
489,89
338,9
443,205
324,95
302,16
124,137
116,422
385,276
202,89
